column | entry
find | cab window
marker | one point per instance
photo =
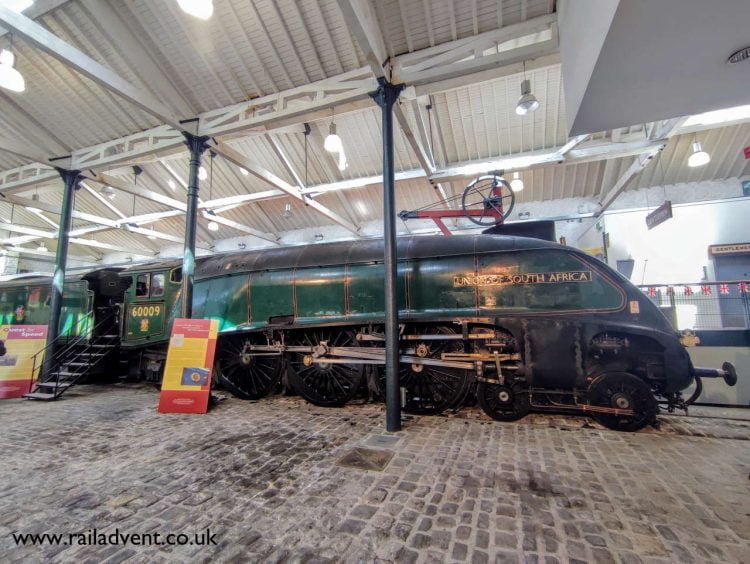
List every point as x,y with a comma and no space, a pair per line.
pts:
176,275
157,285
142,286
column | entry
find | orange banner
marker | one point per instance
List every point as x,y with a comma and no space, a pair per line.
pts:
22,342
186,385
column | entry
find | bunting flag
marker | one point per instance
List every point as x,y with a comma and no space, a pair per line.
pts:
706,290
724,289
670,291
688,291
651,292
742,287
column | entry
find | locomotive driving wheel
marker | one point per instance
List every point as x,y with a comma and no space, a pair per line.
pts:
429,389
327,384
622,391
246,374
503,402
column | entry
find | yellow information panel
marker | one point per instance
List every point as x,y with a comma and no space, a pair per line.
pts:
22,342
187,376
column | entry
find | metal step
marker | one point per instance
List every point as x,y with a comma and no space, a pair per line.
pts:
101,346
41,396
66,374
58,385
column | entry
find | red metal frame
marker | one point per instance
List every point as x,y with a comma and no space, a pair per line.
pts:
438,215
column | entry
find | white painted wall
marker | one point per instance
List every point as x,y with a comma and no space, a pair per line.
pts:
677,250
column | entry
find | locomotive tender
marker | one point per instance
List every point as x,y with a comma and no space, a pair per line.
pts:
520,323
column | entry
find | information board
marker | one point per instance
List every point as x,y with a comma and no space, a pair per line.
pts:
186,385
22,342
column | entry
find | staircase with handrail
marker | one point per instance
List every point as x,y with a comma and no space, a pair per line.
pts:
73,358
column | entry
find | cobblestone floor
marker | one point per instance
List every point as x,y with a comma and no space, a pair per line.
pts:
263,477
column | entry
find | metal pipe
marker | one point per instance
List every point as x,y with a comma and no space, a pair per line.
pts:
197,145
385,96
71,178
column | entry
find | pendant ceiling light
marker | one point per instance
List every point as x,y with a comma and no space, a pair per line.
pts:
202,173
332,144
516,184
10,78
42,247
699,156
527,103
201,9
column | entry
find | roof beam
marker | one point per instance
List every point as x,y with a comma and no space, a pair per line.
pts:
241,227
363,24
255,169
20,149
660,132
72,57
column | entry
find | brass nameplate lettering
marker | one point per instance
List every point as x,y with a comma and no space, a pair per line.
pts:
522,279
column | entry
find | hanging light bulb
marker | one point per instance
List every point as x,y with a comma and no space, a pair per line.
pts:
201,9
202,173
244,171
109,192
287,211
516,184
10,78
42,248
171,184
699,156
213,226
527,103
332,143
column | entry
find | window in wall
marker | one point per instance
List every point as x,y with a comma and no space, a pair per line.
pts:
157,285
176,275
141,286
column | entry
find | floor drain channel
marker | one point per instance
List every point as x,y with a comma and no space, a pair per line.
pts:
366,459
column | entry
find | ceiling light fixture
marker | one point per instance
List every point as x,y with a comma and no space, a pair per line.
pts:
699,156
516,184
201,9
42,248
244,171
10,78
202,173
17,5
332,143
109,192
527,103
171,184
287,211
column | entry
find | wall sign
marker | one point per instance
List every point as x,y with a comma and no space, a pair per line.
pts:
733,249
659,215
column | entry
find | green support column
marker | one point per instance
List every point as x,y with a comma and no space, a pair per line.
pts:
385,96
197,145
71,178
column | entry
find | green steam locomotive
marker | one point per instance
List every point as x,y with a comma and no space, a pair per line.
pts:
517,323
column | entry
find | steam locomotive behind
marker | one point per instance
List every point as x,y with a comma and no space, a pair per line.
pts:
518,323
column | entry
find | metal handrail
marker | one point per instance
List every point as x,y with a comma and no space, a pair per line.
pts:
62,352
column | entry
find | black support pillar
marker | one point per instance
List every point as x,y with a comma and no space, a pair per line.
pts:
71,178
197,145
385,96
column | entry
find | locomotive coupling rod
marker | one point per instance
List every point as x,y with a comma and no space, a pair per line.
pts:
401,359
454,337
